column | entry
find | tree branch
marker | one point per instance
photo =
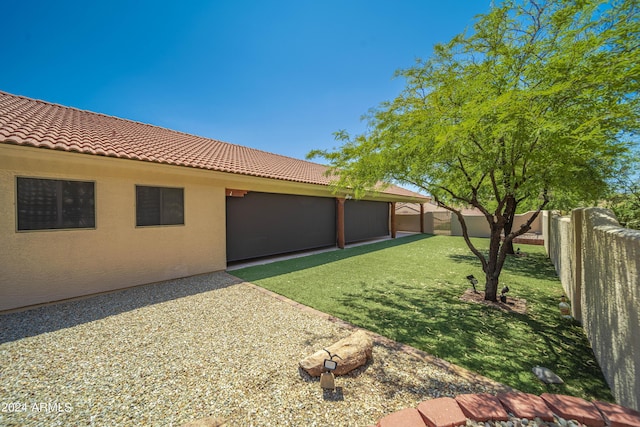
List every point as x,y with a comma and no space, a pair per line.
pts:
465,232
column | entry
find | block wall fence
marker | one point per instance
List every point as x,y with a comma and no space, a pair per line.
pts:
598,263
445,223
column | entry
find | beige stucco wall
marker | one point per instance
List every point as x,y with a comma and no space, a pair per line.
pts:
476,224
611,301
408,223
432,221
546,221
599,265
561,251
43,266
520,219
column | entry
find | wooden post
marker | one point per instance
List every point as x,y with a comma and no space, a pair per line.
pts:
393,220
340,222
422,218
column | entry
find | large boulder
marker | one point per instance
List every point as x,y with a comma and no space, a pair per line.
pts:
354,351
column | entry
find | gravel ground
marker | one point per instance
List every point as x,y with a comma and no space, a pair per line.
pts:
209,345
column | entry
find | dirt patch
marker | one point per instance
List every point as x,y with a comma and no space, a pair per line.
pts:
515,305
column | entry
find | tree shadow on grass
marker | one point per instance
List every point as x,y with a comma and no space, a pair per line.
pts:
499,345
534,265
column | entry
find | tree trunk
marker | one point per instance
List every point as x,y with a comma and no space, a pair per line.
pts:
491,288
493,265
508,226
509,217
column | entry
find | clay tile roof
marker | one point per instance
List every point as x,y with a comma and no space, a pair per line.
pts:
29,122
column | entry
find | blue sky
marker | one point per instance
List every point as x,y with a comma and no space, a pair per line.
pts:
280,76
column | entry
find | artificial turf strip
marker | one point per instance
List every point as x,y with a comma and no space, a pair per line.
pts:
409,290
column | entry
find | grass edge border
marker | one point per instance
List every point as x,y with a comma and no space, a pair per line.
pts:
468,375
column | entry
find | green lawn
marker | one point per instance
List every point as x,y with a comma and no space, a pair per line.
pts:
409,290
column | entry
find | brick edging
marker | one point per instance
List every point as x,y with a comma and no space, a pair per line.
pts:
450,412
525,241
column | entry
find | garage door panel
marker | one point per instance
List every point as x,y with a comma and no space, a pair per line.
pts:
365,220
263,224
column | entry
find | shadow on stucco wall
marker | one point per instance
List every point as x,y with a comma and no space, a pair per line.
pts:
598,262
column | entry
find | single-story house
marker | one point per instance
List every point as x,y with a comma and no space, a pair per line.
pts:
91,203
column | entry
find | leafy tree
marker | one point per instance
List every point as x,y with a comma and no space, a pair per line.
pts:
625,202
626,206
536,105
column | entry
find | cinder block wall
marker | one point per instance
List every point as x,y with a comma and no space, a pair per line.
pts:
408,223
476,224
520,219
561,252
604,282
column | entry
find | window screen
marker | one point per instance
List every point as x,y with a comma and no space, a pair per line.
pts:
45,204
159,206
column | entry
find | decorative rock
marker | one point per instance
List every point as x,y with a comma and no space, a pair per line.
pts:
354,351
546,375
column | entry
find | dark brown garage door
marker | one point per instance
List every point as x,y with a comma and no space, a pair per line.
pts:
263,224
365,219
